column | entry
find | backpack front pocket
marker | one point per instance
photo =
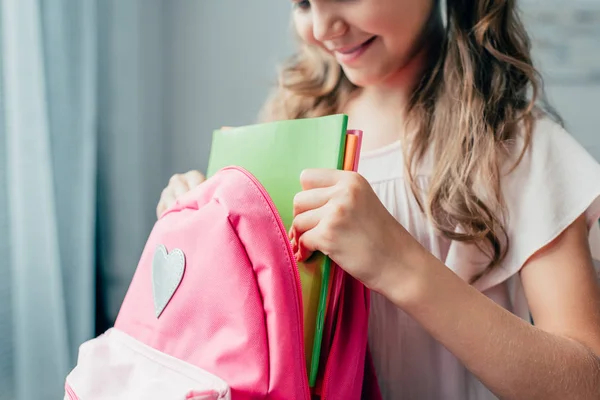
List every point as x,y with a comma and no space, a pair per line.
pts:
116,366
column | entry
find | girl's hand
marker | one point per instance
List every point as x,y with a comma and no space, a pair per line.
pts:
339,215
179,184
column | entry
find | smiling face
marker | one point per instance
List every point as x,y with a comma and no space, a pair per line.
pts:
371,39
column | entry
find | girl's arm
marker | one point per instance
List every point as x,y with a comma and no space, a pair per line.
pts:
558,358
339,214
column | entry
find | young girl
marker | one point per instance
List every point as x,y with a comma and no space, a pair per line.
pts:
472,208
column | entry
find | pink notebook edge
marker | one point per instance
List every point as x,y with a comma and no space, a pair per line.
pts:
359,134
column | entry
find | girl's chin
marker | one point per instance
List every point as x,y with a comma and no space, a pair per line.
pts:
363,78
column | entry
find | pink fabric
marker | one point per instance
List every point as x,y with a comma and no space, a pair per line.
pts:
226,307
116,366
69,394
236,314
349,345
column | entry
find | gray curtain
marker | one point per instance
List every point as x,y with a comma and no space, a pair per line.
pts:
86,88
47,191
132,141
82,145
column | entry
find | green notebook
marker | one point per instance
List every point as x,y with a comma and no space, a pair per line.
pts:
276,153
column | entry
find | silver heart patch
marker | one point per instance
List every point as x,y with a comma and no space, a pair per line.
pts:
167,273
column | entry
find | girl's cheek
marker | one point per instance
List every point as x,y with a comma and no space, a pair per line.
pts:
304,29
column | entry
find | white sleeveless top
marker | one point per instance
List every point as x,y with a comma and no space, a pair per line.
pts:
556,181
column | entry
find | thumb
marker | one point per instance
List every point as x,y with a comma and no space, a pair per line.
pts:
160,208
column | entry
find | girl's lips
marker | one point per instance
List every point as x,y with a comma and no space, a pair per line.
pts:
351,53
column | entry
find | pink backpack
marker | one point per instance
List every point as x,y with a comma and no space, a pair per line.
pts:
214,312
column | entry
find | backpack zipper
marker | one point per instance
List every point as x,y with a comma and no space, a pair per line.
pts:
292,259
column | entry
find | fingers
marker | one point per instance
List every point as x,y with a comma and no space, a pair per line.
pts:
311,208
160,208
194,178
311,199
167,198
308,210
307,221
179,184
320,178
308,243
306,235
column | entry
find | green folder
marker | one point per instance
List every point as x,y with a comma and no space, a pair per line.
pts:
276,153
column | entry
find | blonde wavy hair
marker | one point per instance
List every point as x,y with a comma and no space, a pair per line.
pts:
479,90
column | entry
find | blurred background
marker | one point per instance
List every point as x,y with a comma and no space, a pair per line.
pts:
101,101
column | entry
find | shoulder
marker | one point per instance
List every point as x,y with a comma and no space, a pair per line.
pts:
555,182
550,153
556,177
